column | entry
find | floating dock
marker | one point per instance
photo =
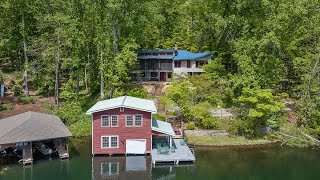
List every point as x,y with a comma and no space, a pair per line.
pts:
182,154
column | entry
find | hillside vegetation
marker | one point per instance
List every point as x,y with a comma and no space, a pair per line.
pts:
82,51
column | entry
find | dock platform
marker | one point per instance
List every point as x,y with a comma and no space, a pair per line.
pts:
182,154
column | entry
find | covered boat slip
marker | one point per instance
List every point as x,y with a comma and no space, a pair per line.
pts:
165,149
31,129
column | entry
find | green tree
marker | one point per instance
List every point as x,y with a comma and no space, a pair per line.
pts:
255,109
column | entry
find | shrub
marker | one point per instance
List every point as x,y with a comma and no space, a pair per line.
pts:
82,127
10,84
209,123
7,106
159,117
26,99
191,126
71,113
17,89
137,92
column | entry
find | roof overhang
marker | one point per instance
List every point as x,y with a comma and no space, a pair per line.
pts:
115,107
162,127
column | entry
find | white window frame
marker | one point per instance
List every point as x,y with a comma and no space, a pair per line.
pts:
109,137
102,121
117,120
121,109
110,173
141,120
134,120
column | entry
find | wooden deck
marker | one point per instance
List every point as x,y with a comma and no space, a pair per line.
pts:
182,154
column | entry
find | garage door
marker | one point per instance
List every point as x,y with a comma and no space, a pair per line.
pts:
136,146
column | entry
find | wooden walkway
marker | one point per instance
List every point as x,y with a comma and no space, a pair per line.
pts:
182,154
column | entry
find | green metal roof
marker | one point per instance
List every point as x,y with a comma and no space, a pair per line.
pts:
162,127
126,102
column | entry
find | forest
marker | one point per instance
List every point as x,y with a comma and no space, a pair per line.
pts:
81,51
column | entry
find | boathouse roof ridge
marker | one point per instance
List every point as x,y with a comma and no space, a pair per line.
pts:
126,102
31,126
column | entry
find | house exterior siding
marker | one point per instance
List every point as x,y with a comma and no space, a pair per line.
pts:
124,133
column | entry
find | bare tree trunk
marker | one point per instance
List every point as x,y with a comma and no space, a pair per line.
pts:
58,58
25,48
115,38
85,69
78,81
101,75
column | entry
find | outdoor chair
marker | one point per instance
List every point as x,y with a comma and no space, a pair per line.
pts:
173,150
182,142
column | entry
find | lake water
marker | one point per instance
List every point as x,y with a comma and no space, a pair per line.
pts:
211,163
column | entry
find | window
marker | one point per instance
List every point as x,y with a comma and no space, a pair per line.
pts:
138,120
177,64
109,141
129,120
200,63
109,168
105,142
121,109
188,64
114,141
154,74
105,121
134,120
114,121
169,75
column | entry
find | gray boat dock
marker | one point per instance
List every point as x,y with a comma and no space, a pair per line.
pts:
182,154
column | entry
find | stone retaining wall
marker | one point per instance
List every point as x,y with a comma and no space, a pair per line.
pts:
206,133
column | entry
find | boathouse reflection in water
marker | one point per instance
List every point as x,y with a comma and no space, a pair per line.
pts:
129,167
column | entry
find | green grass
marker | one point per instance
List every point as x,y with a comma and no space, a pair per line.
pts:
225,141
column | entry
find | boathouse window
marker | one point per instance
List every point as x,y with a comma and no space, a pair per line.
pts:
109,141
129,120
138,120
134,120
105,121
114,121
109,169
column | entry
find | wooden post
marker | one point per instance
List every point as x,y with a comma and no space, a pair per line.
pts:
27,157
170,139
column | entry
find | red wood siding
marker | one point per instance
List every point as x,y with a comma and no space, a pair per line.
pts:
122,131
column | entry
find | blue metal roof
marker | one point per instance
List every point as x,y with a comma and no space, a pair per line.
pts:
186,55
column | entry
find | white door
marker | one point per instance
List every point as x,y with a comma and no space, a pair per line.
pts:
136,146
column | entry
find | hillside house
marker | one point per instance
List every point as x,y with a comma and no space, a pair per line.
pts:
161,65
124,125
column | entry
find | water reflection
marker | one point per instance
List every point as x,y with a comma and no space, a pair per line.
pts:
130,167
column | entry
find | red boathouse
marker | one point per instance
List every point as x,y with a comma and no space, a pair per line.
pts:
122,125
